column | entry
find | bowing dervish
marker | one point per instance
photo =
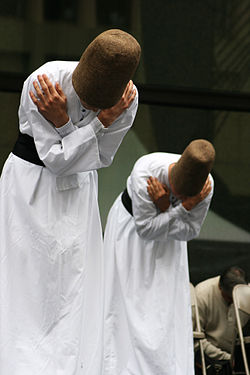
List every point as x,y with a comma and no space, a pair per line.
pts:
148,326
72,119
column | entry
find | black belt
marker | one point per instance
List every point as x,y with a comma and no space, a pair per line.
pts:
25,148
127,202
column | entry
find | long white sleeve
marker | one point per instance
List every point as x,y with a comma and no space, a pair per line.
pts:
88,146
176,222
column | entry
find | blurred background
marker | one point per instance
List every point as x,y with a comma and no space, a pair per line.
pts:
193,82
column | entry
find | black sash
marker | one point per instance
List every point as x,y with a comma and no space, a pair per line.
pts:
127,202
25,149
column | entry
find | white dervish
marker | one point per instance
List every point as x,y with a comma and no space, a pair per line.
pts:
51,244
148,328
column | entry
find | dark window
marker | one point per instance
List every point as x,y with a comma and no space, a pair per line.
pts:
60,10
12,8
114,13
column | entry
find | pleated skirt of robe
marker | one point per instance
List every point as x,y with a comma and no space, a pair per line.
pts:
51,272
148,327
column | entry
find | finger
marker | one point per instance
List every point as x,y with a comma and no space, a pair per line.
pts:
157,182
129,86
149,182
159,185
165,187
43,86
153,182
208,186
128,90
149,189
49,86
152,191
34,98
205,185
125,92
38,91
158,188
208,181
131,97
59,90
206,192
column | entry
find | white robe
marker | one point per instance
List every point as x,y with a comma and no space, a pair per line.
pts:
51,244
148,327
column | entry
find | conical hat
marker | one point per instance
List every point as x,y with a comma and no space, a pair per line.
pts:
105,68
189,174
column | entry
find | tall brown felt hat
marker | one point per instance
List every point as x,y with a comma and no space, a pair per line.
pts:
105,68
189,174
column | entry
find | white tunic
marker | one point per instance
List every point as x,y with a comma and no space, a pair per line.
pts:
148,327
51,245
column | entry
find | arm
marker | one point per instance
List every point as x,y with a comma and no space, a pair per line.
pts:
125,112
176,222
159,193
67,149
190,202
214,352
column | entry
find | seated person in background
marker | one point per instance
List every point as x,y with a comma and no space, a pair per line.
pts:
217,316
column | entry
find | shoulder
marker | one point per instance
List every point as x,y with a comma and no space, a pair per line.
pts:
155,159
54,70
154,164
207,287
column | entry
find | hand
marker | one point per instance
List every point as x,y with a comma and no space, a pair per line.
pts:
190,202
109,115
159,193
50,101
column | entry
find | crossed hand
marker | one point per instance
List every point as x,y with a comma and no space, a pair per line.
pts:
159,193
190,202
109,115
52,102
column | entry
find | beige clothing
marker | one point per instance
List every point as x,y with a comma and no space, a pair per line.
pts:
217,319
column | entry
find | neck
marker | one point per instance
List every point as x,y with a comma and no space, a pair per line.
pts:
170,178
